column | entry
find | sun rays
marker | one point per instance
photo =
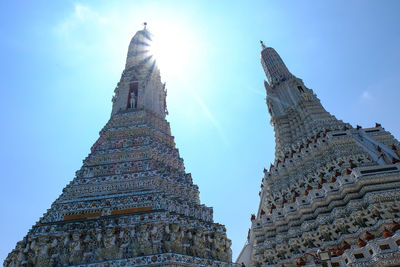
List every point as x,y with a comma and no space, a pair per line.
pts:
170,47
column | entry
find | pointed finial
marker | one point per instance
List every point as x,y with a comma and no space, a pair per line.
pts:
144,24
262,44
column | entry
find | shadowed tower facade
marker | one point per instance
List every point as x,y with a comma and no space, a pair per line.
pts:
131,203
332,194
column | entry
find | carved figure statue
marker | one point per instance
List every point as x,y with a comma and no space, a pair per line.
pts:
75,249
228,250
89,245
144,242
198,243
21,258
187,243
156,238
110,250
132,101
124,242
98,243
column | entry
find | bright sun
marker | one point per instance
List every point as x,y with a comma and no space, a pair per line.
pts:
170,47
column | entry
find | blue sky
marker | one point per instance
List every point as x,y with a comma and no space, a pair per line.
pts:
61,61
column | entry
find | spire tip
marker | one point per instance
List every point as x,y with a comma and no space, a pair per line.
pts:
262,45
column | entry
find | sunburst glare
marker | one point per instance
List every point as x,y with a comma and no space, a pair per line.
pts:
170,47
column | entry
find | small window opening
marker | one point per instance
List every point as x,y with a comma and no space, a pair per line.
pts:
359,256
301,90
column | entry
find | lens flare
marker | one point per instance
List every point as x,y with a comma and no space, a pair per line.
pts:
170,48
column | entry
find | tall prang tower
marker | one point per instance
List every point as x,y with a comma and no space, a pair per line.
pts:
332,196
131,203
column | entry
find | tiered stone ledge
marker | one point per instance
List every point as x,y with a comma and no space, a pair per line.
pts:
103,204
355,255
163,260
333,195
187,192
349,230
306,149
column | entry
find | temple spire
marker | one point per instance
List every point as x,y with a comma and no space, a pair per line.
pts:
262,45
131,203
295,110
315,208
273,65
140,86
